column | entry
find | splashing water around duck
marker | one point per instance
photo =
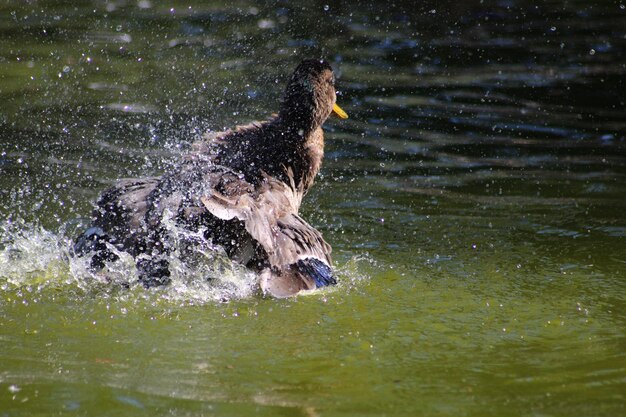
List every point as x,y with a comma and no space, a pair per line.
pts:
37,260
240,190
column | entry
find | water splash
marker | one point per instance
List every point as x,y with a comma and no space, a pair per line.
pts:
33,257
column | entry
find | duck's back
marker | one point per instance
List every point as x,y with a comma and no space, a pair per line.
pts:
265,149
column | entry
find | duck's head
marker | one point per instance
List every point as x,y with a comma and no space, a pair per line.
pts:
310,96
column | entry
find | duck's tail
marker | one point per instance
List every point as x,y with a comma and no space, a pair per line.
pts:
321,272
306,274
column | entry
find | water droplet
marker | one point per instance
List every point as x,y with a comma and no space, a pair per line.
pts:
553,28
266,24
592,51
326,7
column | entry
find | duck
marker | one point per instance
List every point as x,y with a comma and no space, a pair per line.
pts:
241,189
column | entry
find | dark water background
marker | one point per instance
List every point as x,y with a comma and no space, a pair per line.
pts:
475,201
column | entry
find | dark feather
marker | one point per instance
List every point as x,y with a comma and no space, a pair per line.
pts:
320,271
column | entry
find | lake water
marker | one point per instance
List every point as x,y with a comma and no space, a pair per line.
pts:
475,201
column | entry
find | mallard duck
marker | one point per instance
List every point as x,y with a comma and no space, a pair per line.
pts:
241,188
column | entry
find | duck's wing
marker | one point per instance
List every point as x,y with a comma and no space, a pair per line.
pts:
117,219
295,239
270,217
298,257
120,210
130,215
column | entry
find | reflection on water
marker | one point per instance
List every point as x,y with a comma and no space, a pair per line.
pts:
480,234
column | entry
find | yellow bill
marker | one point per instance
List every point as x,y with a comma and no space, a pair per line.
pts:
339,111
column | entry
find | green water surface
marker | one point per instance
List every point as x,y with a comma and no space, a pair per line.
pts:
475,201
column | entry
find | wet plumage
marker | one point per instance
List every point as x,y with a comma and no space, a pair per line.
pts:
242,188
